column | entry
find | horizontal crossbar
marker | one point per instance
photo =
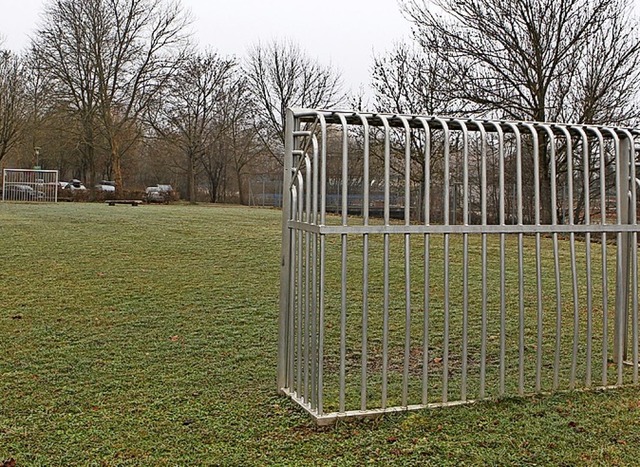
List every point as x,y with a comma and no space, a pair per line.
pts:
463,229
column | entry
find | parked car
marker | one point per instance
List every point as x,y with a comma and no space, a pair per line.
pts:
106,186
75,184
158,194
22,193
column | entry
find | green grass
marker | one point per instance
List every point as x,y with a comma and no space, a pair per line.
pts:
147,336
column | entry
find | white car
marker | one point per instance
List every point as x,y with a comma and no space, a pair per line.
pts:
158,194
75,185
106,188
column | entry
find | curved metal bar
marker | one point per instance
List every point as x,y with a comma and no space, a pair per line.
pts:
446,253
343,269
586,187
365,266
620,303
465,257
407,262
300,298
314,277
385,278
484,188
603,241
633,247
307,283
503,266
537,208
572,254
521,316
427,249
556,255
323,215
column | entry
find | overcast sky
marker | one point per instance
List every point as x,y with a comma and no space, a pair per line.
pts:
344,33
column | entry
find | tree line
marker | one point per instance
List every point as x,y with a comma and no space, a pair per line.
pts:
117,90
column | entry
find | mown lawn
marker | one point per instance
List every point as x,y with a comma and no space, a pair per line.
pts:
147,336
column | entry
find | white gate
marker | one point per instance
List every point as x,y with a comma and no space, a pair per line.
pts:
30,185
461,260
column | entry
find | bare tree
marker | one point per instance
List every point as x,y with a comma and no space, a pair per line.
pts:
109,58
12,101
544,60
61,48
608,78
408,80
187,113
282,76
134,62
241,139
234,138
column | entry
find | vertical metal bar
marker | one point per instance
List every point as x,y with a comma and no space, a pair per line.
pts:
556,255
586,183
314,274
634,322
343,272
572,254
503,266
427,221
634,250
603,241
536,195
521,318
385,311
623,150
484,188
300,288
292,289
285,257
365,264
633,253
407,262
323,218
297,299
307,284
446,253
465,259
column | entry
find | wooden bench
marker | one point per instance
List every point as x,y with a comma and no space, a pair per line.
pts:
132,202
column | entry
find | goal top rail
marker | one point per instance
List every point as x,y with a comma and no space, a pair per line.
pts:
376,119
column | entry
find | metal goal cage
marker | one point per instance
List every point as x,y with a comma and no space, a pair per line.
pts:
30,185
434,261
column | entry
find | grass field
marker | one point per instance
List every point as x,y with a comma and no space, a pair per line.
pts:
147,336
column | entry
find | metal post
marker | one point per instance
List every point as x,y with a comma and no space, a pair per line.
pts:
285,257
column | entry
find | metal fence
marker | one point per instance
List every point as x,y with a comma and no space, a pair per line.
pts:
30,185
511,269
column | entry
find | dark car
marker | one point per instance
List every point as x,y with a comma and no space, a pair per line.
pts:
21,193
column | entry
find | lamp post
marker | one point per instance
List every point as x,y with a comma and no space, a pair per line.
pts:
36,153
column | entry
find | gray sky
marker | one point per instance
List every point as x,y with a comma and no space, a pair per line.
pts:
344,33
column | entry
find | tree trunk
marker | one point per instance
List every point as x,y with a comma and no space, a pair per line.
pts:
240,189
117,169
191,174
